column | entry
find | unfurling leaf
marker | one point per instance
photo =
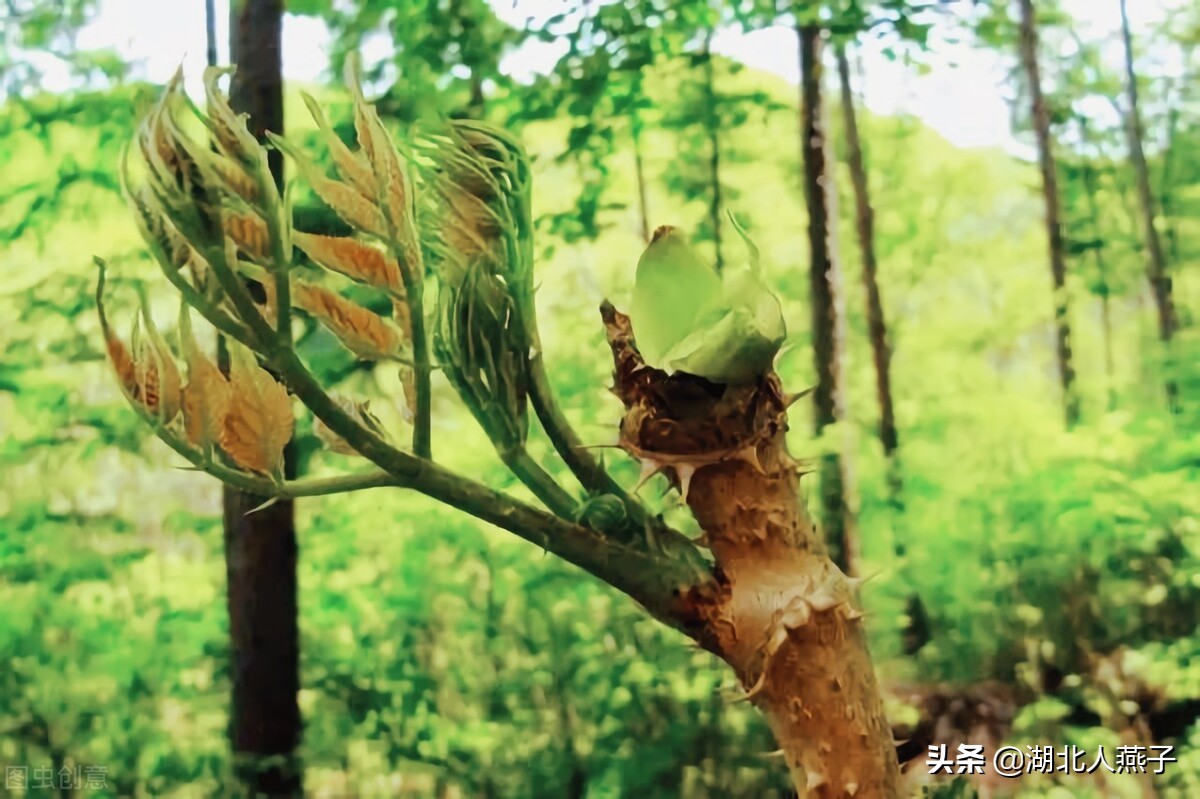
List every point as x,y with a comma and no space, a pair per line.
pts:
118,353
353,259
229,129
727,329
206,395
392,183
155,372
122,363
360,411
354,209
364,333
408,382
235,178
353,167
258,419
249,232
671,286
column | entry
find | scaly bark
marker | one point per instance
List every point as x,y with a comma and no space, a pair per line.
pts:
826,300
1054,233
782,614
864,217
260,547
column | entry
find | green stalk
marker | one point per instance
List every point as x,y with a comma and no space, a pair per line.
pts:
587,469
537,480
422,441
656,580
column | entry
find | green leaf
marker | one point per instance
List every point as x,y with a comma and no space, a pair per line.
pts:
671,287
727,329
736,338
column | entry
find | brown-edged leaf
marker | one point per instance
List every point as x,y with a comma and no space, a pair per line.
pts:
350,165
364,333
249,232
206,395
155,372
354,259
258,420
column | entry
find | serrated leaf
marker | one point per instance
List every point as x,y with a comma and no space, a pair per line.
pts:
157,375
353,208
258,420
363,332
354,259
350,165
229,129
392,179
206,396
249,232
118,354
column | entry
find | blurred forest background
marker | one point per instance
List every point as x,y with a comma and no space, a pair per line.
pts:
1025,481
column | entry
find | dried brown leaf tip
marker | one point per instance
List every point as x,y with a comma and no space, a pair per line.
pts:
364,333
258,420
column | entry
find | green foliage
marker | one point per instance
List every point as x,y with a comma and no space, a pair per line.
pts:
440,656
726,328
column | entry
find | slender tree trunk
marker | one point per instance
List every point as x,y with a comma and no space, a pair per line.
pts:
827,300
260,546
1156,263
210,31
1090,189
712,124
1156,267
1058,268
782,614
1165,187
864,217
639,169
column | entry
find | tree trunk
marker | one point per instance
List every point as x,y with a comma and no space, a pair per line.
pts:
1156,264
639,170
1156,267
712,123
1090,189
864,217
1165,188
1058,268
782,613
260,546
827,300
